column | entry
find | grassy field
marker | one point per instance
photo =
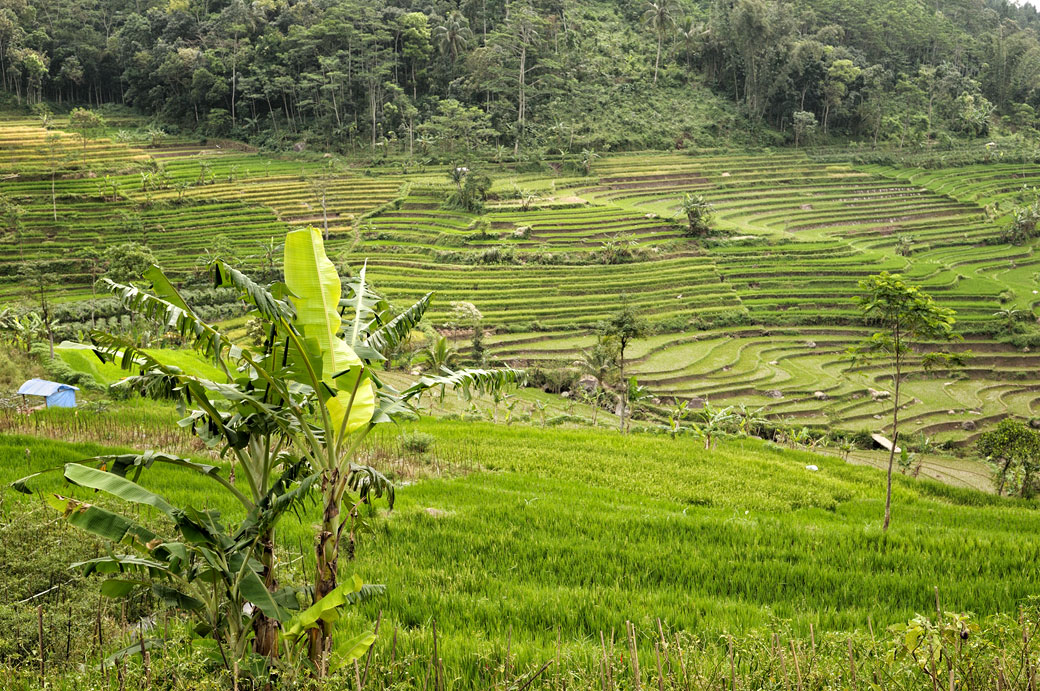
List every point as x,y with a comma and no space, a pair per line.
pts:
527,534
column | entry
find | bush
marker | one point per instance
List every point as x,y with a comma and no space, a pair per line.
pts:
416,442
552,380
557,420
60,371
1027,338
471,193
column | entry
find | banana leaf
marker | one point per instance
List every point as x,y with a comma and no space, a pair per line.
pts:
316,289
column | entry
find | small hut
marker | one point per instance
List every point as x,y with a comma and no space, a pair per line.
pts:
884,443
54,395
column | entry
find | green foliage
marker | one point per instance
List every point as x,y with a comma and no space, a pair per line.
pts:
457,128
208,570
471,190
623,326
439,355
127,262
907,315
88,123
440,79
416,442
1023,227
258,427
804,124
699,214
1013,449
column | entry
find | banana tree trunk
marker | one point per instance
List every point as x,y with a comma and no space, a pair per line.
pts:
325,573
265,629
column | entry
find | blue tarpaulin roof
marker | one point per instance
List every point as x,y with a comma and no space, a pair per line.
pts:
42,387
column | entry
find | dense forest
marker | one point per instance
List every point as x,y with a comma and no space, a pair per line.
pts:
521,75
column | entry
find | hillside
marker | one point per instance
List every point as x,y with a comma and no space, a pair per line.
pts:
529,79
758,316
522,530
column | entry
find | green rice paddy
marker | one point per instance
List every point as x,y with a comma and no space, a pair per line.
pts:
526,534
761,316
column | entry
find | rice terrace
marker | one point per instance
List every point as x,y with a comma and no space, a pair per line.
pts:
630,346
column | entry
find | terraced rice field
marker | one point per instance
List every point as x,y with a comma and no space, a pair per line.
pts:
176,198
761,317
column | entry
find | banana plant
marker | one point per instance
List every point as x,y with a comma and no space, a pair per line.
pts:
714,422
312,386
352,334
676,417
208,571
230,416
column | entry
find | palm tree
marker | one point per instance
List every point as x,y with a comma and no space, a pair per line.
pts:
690,33
749,421
714,421
438,355
699,214
270,252
1009,315
905,245
660,18
600,361
454,35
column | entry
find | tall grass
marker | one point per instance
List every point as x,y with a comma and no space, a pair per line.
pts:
521,537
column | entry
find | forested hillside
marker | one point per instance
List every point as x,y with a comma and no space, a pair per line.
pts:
517,77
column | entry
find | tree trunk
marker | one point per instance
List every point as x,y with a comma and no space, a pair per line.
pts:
895,438
520,101
624,392
657,62
265,629
47,318
372,96
325,572
325,215
234,81
888,492
1003,477
93,299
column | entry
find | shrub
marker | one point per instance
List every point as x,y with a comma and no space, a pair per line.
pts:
416,442
699,214
60,371
557,420
552,380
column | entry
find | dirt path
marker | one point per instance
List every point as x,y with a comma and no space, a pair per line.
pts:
952,471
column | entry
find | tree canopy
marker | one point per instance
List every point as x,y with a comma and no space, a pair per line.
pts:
541,73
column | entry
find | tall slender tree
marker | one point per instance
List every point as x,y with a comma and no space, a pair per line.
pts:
624,326
659,17
906,316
